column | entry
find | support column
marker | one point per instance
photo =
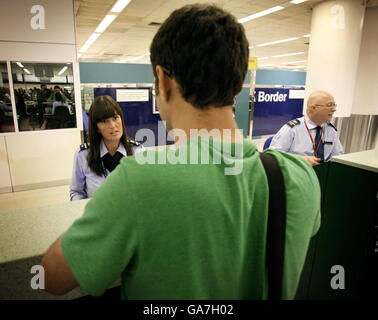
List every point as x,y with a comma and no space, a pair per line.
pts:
336,31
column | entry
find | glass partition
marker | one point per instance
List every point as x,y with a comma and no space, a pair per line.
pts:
6,114
44,94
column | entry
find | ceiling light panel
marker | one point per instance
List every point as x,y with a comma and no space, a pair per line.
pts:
61,71
105,23
89,42
275,42
260,14
120,5
297,1
287,54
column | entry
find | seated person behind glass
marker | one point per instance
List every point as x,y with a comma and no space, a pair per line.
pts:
59,102
53,95
108,144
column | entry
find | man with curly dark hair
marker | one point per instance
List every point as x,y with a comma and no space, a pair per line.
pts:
190,222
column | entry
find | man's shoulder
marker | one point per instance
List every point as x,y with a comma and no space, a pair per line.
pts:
294,122
294,166
331,125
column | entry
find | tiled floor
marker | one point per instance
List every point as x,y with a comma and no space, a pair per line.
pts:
53,195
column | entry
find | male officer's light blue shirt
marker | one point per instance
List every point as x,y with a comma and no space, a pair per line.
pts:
84,180
295,139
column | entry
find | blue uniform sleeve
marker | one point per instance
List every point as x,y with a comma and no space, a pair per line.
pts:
283,139
338,148
77,187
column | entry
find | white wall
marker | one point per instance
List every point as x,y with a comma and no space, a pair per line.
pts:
366,92
5,179
42,158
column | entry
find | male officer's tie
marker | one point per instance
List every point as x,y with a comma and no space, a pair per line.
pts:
320,152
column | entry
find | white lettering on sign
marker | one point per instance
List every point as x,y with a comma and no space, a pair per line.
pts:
38,21
296,94
338,19
271,97
132,95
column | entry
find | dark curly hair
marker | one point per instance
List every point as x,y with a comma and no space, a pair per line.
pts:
205,49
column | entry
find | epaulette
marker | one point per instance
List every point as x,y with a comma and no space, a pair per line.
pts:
329,123
84,146
293,123
133,142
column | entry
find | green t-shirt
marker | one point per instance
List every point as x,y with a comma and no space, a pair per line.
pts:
52,97
190,231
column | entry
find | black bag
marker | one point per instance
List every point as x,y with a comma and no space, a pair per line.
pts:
275,243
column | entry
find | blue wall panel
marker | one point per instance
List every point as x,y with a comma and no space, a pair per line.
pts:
280,77
269,115
115,73
138,115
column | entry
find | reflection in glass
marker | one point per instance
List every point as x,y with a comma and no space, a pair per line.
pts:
44,94
6,114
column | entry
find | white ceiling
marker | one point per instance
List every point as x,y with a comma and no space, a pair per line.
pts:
130,35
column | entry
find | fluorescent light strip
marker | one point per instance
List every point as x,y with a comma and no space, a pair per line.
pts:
295,67
19,64
134,59
287,54
120,5
27,71
262,58
89,42
260,14
278,41
267,65
250,47
297,1
307,35
105,23
298,61
61,71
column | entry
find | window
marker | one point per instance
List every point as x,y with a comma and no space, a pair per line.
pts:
44,95
6,114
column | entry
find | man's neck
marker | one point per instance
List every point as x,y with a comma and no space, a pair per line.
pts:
314,119
216,122
112,146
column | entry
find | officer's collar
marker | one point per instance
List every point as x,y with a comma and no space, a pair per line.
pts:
311,124
103,150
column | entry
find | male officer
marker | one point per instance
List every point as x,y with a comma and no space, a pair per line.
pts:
193,229
311,136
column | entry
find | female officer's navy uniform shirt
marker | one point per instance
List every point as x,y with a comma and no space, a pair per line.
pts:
84,180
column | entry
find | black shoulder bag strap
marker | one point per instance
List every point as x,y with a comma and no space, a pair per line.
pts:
275,243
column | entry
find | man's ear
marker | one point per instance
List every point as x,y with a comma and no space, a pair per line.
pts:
164,83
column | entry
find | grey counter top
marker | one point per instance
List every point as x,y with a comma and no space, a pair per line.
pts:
367,160
29,232
25,236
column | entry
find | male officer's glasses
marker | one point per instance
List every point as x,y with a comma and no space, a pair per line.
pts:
329,105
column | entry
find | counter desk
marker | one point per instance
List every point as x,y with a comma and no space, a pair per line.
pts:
345,245
25,236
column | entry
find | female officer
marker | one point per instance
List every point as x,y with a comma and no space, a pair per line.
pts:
108,143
